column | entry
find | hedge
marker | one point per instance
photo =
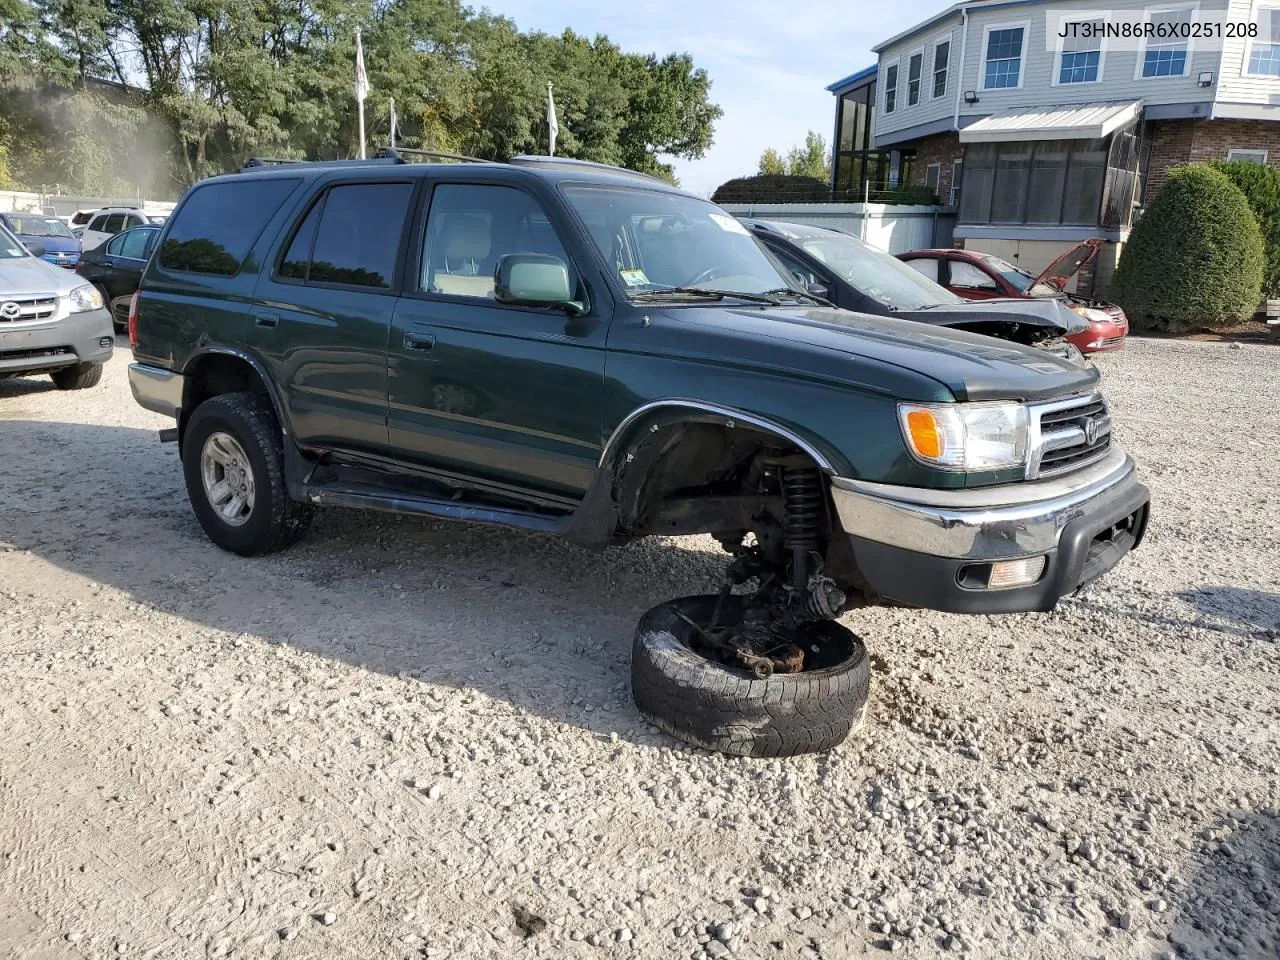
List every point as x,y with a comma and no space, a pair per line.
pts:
1195,258
772,188
1260,185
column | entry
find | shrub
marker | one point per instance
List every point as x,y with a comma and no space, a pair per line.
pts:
1195,259
1260,185
772,188
909,193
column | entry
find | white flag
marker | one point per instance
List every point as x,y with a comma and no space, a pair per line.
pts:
362,79
553,125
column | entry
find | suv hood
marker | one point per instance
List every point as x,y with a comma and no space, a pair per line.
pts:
23,276
971,366
53,244
1050,313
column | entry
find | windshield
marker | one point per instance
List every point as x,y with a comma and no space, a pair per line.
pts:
10,246
877,274
659,241
35,226
1018,278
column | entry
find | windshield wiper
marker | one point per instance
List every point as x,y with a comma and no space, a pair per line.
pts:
781,294
703,292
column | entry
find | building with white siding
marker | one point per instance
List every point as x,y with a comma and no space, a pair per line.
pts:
1043,140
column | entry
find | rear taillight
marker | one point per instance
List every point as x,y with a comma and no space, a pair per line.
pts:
133,319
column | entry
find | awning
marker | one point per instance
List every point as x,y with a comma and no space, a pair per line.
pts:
1081,121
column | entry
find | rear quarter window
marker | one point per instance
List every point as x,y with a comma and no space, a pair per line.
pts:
216,225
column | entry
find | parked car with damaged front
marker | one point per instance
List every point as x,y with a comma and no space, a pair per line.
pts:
587,352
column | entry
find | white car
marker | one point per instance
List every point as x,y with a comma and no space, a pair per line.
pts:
107,222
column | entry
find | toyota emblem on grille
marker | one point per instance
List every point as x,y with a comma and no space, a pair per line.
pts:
1091,431
10,310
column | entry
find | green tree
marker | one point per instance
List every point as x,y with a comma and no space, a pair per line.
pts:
233,78
1195,259
771,164
809,159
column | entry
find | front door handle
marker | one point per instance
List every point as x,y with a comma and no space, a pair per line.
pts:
419,341
266,319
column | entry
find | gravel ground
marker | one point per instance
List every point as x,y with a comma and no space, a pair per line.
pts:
410,738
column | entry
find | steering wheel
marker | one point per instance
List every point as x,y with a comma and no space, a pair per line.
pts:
708,274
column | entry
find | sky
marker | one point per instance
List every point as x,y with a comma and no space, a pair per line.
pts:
769,62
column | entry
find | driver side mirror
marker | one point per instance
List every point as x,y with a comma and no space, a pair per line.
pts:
35,249
535,280
818,290
1059,283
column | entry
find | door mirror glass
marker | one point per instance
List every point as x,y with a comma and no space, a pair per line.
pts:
534,279
35,249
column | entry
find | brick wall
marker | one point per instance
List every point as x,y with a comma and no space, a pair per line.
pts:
944,149
1195,141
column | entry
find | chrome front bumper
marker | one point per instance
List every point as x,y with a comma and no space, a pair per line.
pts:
984,523
157,389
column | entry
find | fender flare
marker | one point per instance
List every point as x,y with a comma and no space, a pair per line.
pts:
258,367
689,410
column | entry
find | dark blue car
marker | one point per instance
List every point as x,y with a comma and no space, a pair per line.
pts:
61,247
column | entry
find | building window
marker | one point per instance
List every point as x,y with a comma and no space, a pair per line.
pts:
956,171
1009,203
1264,53
1045,182
1004,57
915,67
1248,156
933,177
890,87
1080,57
1048,179
1167,57
941,55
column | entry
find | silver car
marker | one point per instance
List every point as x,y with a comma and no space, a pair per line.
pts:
51,321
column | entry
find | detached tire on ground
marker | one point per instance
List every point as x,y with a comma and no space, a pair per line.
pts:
729,709
233,463
82,376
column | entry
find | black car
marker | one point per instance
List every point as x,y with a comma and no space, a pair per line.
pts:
115,268
856,276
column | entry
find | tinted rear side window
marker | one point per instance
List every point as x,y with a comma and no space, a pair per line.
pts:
358,236
217,225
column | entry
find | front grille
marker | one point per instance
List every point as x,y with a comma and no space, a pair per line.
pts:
25,308
36,354
1112,341
1068,435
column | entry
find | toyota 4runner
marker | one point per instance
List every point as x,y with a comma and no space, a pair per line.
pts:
585,351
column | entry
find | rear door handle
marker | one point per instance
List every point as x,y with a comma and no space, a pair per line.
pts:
419,341
266,319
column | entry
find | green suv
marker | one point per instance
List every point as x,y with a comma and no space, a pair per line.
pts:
585,351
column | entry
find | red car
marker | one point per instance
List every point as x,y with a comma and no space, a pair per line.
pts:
980,276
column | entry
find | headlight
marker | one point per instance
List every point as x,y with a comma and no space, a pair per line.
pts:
85,297
966,436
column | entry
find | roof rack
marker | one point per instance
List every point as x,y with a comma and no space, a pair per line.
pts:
564,163
395,154
257,163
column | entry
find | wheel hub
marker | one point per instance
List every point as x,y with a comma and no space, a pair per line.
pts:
227,478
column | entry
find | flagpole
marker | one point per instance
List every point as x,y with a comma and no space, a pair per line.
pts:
392,102
359,93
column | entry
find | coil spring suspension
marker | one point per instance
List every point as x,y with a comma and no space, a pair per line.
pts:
802,495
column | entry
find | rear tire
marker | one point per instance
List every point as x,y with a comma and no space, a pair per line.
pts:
79,377
729,709
268,520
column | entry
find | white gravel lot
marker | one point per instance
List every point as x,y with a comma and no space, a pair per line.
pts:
414,739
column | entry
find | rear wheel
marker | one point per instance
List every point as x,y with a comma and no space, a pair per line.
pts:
233,462
78,377
727,708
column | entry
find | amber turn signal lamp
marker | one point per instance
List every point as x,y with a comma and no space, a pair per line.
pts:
926,437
